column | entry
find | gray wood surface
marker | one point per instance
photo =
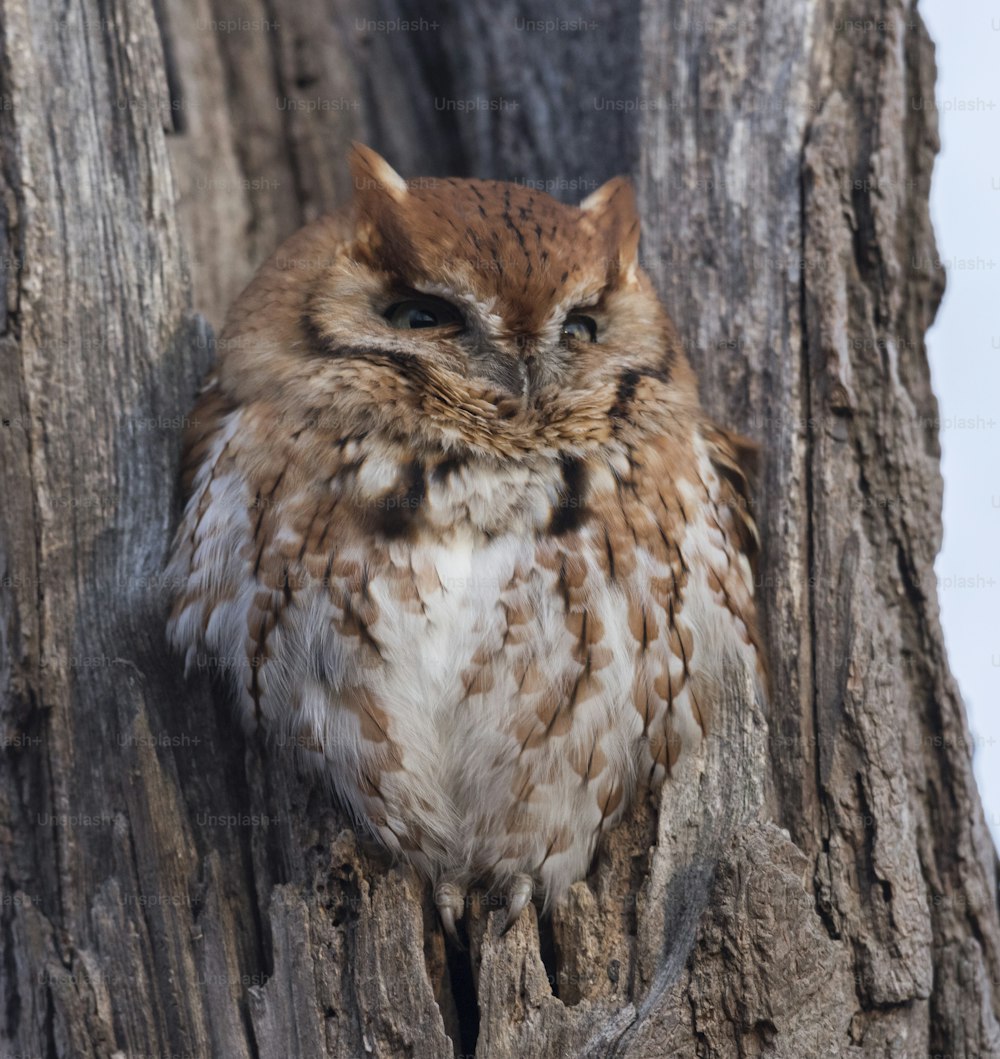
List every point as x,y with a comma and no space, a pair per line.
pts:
822,883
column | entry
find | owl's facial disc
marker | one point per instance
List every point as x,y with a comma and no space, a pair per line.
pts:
479,297
525,271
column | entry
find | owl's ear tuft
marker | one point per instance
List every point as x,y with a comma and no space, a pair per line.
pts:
373,176
613,210
381,198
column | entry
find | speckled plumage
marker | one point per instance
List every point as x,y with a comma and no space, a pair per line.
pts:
488,578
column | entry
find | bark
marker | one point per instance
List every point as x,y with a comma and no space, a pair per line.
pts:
822,882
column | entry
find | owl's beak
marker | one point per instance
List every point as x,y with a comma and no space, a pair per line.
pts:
529,377
513,372
524,377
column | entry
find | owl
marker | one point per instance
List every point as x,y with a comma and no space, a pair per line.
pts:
458,529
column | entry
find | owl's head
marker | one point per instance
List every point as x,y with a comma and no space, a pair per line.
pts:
461,312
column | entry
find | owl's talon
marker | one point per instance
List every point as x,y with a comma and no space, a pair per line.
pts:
450,901
518,897
448,922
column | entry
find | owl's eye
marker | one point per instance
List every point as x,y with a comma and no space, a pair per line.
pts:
422,312
580,328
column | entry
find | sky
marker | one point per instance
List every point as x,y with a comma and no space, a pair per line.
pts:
964,350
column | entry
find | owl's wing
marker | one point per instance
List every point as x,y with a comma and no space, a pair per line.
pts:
691,593
736,460
251,535
272,586
191,582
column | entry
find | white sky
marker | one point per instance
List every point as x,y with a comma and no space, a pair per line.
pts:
964,347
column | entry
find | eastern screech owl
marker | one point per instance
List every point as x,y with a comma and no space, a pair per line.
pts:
459,527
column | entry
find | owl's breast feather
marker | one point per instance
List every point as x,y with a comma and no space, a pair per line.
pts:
485,702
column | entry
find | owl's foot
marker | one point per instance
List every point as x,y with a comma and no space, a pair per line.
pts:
518,895
450,900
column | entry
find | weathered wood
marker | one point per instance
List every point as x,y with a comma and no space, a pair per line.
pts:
821,882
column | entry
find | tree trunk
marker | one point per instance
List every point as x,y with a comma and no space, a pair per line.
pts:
822,883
